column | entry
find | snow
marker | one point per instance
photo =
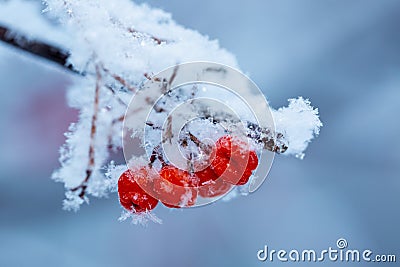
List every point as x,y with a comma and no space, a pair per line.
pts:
102,30
139,218
119,37
39,27
299,122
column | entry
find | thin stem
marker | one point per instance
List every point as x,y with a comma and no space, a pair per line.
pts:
91,163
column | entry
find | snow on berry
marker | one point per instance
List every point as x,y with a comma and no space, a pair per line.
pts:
206,175
174,188
131,195
234,160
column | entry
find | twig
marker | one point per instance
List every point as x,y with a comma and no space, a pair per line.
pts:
133,31
154,38
202,146
51,52
151,78
168,132
109,87
272,142
173,75
121,80
156,154
109,138
36,47
91,163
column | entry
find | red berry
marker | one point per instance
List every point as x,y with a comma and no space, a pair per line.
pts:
234,160
206,175
245,178
252,161
170,206
177,176
131,196
246,158
214,188
226,168
224,146
173,188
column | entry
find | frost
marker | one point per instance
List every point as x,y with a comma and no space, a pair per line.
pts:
38,27
231,195
113,172
299,122
73,202
139,218
186,198
121,34
117,45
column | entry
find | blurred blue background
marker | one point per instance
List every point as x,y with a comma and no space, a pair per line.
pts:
343,55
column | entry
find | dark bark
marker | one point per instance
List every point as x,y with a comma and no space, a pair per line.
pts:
36,47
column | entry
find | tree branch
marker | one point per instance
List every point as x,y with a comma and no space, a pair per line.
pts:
36,47
50,52
60,57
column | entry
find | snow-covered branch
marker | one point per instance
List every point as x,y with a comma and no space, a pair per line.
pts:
35,47
117,47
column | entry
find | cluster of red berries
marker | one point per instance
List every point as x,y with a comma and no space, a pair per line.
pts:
140,189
